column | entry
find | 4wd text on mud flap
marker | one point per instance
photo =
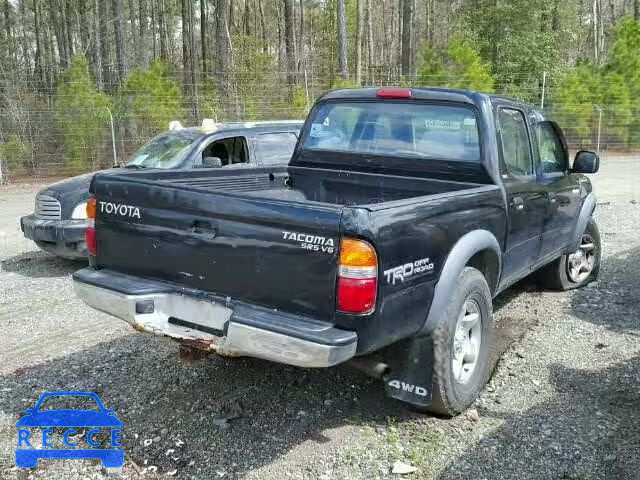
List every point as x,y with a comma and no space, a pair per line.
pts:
408,387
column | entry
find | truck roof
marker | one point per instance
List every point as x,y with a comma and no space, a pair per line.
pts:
227,127
473,97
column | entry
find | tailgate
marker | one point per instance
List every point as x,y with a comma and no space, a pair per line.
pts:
272,253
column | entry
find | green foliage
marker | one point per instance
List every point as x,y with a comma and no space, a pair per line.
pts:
575,100
521,39
624,72
255,78
149,100
82,114
462,67
614,88
14,152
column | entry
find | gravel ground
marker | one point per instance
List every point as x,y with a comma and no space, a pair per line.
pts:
564,401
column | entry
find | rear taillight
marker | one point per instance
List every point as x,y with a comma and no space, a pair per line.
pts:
357,277
90,232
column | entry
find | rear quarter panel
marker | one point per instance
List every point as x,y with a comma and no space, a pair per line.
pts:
414,239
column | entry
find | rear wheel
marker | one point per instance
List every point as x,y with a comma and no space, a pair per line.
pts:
462,344
576,269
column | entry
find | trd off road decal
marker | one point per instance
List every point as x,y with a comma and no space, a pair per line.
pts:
314,243
402,273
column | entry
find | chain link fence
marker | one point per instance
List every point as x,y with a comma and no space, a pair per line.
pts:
47,135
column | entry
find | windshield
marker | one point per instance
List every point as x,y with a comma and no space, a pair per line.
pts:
442,132
165,151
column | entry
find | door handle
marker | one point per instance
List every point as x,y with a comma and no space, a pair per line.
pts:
203,229
517,203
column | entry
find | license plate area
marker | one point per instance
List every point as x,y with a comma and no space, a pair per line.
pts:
201,317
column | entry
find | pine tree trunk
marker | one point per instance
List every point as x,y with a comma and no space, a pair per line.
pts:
193,62
60,43
370,61
358,59
97,50
342,39
223,45
121,45
38,58
263,29
143,33
105,58
407,34
203,34
162,27
636,9
290,45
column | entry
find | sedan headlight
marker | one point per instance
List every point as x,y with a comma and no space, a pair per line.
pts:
79,211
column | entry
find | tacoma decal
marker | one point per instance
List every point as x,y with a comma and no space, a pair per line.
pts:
314,243
120,209
402,273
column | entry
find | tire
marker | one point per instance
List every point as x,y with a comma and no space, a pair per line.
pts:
454,386
558,275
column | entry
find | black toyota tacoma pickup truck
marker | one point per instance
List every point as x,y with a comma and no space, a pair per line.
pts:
400,215
59,220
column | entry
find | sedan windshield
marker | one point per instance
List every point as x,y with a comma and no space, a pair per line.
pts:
165,151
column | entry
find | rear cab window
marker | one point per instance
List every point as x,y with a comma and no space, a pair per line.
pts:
413,130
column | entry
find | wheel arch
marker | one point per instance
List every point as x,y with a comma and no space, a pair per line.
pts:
479,249
588,207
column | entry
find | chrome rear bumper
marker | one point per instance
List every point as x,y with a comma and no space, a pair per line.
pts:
229,328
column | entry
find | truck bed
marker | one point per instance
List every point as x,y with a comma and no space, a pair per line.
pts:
268,236
308,185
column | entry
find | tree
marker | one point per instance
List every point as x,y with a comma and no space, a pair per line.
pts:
151,98
290,45
358,55
461,67
120,40
81,112
342,39
408,7
223,45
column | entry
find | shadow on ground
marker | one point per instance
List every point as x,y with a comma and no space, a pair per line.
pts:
38,264
141,377
613,301
591,426
590,429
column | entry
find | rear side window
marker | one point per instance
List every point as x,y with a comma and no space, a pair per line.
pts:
275,147
443,132
516,149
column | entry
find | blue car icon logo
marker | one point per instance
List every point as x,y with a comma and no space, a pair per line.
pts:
32,446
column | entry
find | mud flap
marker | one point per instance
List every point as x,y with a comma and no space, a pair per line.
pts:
410,377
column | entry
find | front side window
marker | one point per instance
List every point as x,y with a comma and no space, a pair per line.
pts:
165,151
275,147
516,150
429,131
553,155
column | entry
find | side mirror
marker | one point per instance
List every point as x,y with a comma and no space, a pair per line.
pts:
211,162
586,162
